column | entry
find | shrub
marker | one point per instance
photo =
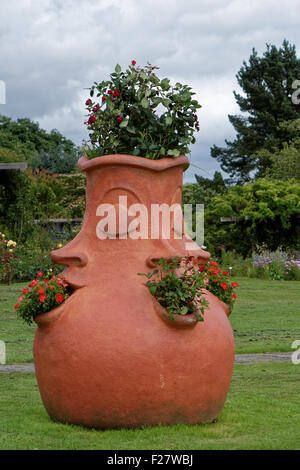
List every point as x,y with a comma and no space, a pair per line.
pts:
127,119
267,214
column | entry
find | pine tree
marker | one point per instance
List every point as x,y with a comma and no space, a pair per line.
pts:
267,85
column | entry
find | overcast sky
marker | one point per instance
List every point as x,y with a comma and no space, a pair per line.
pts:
52,50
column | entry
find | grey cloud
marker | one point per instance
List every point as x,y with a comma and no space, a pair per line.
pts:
52,50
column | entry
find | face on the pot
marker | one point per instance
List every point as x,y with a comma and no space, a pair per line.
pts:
133,218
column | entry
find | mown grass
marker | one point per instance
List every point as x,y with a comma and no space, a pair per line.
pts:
262,411
266,318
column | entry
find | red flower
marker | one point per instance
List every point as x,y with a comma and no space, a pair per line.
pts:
91,120
88,102
103,98
17,306
223,285
131,111
33,283
40,274
42,298
59,298
234,295
133,62
25,290
201,269
120,119
109,92
41,291
96,108
116,93
234,284
226,274
213,263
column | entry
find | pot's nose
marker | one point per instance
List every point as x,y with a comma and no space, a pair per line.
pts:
69,257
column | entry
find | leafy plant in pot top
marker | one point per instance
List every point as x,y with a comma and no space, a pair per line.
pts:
178,285
137,113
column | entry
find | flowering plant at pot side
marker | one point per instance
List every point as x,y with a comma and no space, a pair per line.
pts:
219,283
137,113
42,295
179,284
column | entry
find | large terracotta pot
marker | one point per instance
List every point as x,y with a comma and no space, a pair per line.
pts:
107,357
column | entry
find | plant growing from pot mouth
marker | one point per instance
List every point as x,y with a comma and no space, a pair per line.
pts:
42,295
179,284
137,113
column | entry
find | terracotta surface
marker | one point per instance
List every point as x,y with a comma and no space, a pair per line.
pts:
106,358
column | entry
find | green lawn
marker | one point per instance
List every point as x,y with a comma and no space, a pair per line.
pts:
266,317
262,412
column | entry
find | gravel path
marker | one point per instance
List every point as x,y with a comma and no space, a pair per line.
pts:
239,359
263,357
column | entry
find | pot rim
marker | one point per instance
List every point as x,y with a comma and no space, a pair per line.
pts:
47,318
161,164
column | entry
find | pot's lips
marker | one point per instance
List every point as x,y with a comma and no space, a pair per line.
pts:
131,160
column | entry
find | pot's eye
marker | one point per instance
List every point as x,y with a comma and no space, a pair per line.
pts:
116,217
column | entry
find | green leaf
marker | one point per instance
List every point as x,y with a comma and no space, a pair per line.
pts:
131,129
118,68
124,123
145,103
173,153
109,105
168,120
184,310
156,101
166,102
130,77
143,75
153,289
165,84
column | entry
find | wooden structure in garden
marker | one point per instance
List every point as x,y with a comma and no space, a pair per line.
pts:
17,166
